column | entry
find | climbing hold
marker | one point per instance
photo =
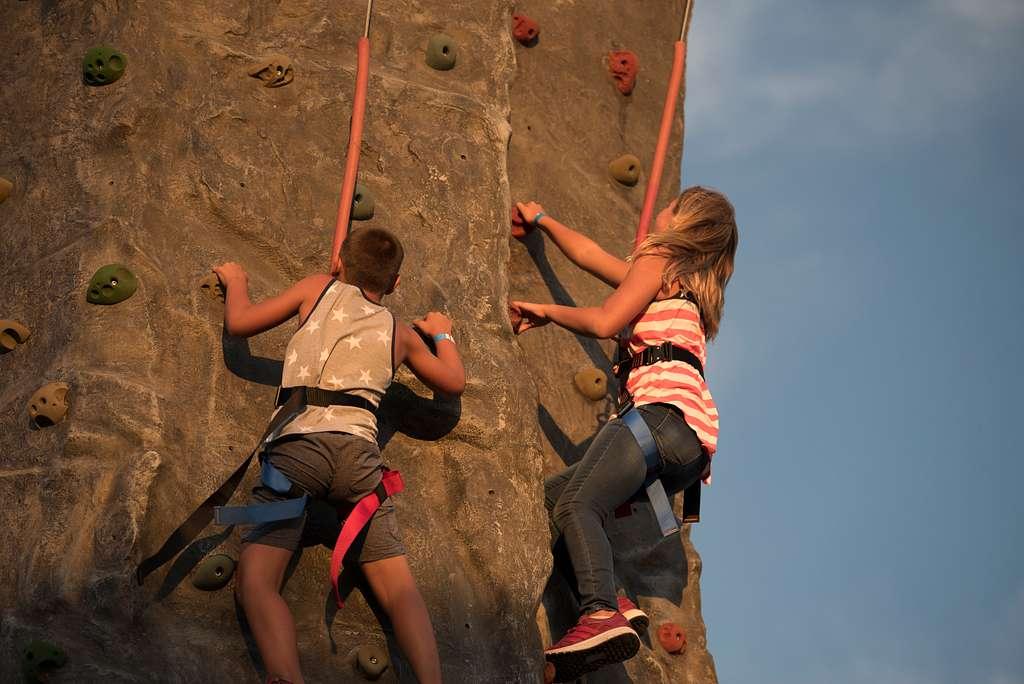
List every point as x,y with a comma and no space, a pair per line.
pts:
49,404
520,228
362,203
514,317
274,70
6,187
441,52
214,572
39,659
103,65
549,673
12,333
624,65
111,284
372,661
212,286
525,29
625,169
592,383
672,637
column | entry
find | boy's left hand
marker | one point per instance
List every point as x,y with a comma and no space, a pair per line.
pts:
531,315
434,323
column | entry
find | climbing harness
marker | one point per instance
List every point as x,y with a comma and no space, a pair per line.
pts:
291,402
355,138
667,114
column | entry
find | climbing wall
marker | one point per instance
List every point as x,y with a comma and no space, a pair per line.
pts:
179,158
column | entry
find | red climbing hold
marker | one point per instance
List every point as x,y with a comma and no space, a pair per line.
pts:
520,228
525,29
672,637
515,318
624,66
549,673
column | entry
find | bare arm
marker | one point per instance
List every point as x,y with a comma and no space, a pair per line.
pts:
640,286
443,373
243,318
580,249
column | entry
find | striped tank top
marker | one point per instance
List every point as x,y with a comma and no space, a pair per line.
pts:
675,320
346,343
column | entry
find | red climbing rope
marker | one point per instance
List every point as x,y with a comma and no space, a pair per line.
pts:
355,139
667,115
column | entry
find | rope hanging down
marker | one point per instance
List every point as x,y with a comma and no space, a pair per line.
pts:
355,138
667,115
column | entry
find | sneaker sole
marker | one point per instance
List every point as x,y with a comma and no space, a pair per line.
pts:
577,660
638,620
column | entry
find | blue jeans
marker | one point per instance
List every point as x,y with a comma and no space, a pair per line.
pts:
581,498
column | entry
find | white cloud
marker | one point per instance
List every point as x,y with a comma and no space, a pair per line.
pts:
839,75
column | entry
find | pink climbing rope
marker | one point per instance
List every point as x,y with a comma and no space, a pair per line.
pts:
667,116
355,139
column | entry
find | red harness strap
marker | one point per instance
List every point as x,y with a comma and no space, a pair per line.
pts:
390,484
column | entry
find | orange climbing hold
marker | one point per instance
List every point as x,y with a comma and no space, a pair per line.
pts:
624,66
672,637
520,228
525,29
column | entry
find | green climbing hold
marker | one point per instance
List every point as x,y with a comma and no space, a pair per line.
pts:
49,404
40,658
112,284
12,333
625,169
214,572
591,383
6,187
103,65
441,52
362,204
372,661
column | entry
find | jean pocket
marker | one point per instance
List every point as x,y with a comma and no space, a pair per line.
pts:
677,442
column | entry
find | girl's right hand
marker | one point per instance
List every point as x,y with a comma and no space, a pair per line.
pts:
527,315
529,210
231,274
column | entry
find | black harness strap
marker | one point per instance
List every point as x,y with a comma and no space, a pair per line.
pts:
315,396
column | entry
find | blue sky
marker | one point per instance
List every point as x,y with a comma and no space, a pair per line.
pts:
865,520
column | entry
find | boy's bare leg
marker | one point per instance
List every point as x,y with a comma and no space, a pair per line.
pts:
261,571
393,585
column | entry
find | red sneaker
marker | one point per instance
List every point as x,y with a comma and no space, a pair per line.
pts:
591,645
638,619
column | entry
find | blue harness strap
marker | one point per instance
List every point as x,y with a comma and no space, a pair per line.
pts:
257,514
655,490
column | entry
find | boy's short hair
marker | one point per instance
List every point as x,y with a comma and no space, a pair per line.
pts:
372,259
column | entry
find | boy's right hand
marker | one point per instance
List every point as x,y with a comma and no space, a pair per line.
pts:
230,274
529,210
434,323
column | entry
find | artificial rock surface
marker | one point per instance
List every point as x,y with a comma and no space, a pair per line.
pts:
187,161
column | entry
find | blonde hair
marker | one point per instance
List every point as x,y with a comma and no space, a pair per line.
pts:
700,245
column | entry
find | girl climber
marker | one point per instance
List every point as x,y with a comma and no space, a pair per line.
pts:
671,290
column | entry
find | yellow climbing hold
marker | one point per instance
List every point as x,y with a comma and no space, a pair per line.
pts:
212,286
6,187
591,383
12,333
625,169
49,404
371,661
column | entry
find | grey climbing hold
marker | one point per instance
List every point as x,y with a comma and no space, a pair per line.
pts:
371,661
362,203
625,169
6,187
274,70
441,52
212,286
591,383
111,284
12,333
214,572
103,65
39,659
49,404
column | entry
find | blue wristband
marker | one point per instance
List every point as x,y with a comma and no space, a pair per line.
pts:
536,219
444,336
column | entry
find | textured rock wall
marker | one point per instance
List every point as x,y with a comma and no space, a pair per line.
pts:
187,161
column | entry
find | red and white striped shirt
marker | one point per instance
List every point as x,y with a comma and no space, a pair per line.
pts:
675,320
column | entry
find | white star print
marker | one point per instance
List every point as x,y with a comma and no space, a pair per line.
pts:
364,376
324,355
329,413
335,381
368,310
303,372
339,316
382,336
313,326
355,342
292,357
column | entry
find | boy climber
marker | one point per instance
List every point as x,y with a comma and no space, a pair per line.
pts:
347,342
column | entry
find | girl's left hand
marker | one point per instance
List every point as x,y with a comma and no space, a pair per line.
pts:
531,315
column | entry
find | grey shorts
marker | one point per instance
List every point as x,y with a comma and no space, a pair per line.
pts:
336,468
